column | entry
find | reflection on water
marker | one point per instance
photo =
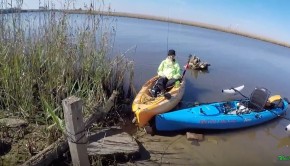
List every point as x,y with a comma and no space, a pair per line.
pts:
195,73
269,131
284,142
252,135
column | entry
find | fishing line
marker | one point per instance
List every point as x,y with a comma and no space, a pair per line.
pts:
168,11
167,30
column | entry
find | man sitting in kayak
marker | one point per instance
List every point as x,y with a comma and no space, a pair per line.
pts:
169,74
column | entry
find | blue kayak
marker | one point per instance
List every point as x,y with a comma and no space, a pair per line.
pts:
222,115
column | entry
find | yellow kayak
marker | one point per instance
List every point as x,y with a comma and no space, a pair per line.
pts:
145,106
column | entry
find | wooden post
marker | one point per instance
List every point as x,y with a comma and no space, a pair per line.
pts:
53,151
75,131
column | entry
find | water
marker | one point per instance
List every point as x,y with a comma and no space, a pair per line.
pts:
235,61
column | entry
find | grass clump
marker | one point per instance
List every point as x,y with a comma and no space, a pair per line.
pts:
48,56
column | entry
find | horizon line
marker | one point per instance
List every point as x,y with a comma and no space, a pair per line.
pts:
158,18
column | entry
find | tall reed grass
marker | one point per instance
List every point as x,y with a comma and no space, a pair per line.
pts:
46,59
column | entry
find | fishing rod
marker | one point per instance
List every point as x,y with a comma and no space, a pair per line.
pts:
167,30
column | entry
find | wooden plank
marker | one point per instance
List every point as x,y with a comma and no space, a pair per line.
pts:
141,163
76,133
56,149
47,155
115,143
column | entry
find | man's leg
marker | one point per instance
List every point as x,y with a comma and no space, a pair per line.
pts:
159,86
170,82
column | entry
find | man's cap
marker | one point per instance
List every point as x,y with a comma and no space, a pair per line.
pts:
171,52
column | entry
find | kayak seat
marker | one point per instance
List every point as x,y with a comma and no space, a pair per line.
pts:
258,99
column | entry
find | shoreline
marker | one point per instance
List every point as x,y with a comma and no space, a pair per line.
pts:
190,23
156,18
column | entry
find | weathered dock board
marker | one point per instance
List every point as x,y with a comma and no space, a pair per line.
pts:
113,142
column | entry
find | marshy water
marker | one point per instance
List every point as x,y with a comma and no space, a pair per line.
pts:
235,61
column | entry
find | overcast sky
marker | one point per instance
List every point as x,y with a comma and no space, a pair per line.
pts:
269,18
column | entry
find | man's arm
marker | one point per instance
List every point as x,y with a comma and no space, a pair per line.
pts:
160,69
177,74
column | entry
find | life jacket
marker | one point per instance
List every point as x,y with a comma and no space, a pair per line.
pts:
169,69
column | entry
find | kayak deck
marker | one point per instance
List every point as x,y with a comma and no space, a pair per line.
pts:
145,106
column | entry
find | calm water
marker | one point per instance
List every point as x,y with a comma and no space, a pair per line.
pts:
234,60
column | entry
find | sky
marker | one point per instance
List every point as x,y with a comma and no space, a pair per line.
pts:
268,18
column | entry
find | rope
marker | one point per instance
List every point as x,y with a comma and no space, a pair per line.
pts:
70,137
169,146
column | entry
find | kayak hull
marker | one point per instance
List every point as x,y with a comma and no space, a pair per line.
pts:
146,107
215,116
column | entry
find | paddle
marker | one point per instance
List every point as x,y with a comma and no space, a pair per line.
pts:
237,89
228,91
184,71
231,90
239,93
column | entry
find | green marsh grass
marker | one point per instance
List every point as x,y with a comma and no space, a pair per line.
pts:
40,66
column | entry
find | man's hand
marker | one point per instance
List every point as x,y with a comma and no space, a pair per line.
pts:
161,75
